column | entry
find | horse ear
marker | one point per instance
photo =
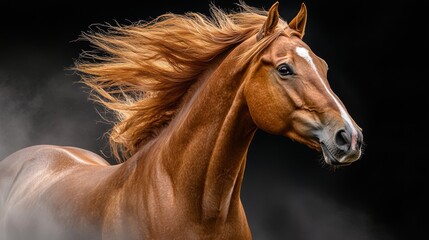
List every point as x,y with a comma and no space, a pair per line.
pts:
271,23
299,21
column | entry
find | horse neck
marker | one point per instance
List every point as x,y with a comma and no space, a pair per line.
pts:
203,150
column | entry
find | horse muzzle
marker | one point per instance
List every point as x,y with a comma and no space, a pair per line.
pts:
343,147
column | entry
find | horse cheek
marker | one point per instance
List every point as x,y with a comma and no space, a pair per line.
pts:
267,112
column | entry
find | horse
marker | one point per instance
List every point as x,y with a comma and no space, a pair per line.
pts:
188,92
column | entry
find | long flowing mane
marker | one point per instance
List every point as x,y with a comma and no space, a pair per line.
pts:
141,72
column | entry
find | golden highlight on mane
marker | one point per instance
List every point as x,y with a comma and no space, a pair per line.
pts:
142,71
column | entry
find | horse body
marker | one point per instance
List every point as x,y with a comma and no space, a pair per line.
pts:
185,192
185,182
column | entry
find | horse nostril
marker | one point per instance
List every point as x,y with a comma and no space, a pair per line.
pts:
342,139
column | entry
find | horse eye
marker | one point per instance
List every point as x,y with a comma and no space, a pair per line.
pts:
284,70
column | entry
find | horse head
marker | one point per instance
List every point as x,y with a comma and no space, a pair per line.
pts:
289,93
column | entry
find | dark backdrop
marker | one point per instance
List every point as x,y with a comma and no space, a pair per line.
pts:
376,53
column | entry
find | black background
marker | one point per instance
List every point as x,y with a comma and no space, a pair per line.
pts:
377,56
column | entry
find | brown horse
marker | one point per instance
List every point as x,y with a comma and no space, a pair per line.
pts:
189,92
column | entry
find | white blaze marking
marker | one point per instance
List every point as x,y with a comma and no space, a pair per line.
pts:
303,52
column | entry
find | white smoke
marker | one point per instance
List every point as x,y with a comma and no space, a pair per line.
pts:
18,227
15,118
53,111
310,215
292,202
